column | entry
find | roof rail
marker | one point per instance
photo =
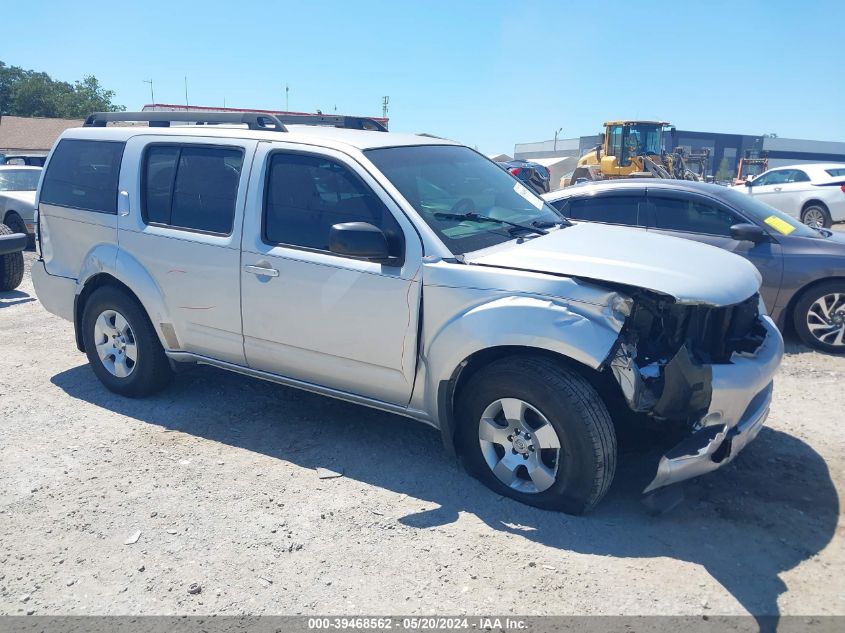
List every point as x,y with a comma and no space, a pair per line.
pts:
253,120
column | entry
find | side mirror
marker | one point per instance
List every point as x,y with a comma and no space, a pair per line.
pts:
748,233
359,239
749,181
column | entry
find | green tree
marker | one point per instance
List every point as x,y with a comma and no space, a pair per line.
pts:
32,93
724,172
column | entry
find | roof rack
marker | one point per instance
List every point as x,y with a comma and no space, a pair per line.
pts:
254,121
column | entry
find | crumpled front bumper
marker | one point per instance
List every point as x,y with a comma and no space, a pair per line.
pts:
741,397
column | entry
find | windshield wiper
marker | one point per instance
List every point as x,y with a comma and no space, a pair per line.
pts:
548,224
475,217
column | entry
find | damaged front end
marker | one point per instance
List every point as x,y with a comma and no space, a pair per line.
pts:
705,369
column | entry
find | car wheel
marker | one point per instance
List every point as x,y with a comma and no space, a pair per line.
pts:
537,432
16,223
819,317
11,265
121,344
816,215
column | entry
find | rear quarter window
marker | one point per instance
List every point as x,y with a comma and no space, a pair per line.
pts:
839,171
83,175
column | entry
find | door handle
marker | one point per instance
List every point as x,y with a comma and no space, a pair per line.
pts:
778,188
262,271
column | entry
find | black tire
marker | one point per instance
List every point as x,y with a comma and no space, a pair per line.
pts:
11,265
827,222
576,412
801,313
151,370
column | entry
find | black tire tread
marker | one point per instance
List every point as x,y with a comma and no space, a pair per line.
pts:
11,265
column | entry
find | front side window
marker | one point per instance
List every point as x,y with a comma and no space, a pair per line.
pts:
84,175
468,201
608,209
19,179
307,194
192,187
614,146
691,216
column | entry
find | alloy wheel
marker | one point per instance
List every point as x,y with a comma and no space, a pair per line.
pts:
826,319
520,445
115,343
814,217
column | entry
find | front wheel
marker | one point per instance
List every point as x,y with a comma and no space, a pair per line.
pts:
537,432
11,265
819,317
121,344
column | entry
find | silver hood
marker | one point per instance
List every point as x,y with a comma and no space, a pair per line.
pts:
688,271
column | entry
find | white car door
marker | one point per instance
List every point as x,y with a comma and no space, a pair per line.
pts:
316,316
182,223
782,189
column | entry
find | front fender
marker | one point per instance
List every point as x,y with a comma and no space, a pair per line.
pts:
583,332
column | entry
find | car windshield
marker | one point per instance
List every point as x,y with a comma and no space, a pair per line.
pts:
452,186
760,211
19,179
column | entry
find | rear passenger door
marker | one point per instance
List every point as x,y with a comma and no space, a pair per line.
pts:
316,316
705,220
182,223
607,207
78,202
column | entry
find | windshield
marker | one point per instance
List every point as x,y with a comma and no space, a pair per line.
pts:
776,220
643,138
19,179
440,181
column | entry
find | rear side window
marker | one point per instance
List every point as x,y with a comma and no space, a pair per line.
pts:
83,175
675,214
840,171
306,195
192,187
608,209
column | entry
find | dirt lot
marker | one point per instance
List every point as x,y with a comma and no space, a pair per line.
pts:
218,475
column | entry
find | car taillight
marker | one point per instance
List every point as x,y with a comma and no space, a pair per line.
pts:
515,170
842,188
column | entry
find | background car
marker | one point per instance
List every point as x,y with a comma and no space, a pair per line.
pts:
813,193
34,160
534,175
17,198
803,268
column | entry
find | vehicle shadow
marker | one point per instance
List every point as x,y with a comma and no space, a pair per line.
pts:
14,297
765,513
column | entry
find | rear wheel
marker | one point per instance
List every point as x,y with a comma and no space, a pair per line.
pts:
121,344
816,215
819,317
16,223
537,432
11,265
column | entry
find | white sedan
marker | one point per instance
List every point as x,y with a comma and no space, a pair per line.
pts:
17,197
813,193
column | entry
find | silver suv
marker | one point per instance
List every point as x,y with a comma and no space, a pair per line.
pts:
405,273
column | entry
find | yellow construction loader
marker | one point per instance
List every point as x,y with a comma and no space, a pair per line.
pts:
637,149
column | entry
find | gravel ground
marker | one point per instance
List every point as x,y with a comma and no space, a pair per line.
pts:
218,474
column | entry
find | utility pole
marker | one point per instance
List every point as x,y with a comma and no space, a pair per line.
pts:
152,94
559,130
385,101
287,96
186,90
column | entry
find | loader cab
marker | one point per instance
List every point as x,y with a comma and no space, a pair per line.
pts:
624,140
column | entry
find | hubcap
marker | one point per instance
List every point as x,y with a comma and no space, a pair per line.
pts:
519,445
826,319
814,217
115,343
